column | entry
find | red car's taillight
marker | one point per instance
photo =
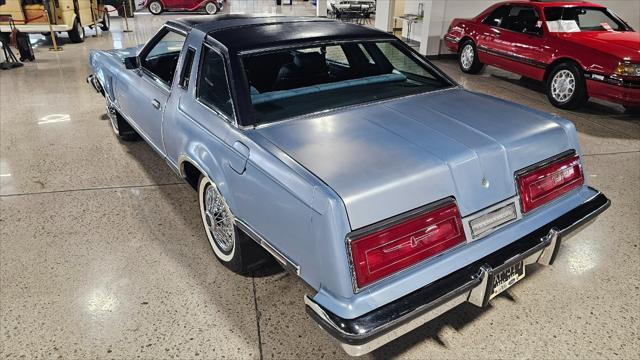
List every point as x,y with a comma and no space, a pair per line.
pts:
393,248
539,186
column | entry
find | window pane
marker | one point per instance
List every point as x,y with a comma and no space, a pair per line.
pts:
297,81
335,54
521,19
553,13
572,19
591,19
163,57
170,43
402,62
495,19
213,89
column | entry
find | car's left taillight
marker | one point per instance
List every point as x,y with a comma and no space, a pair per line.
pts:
545,183
387,249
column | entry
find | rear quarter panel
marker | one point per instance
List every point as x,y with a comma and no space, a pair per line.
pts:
278,199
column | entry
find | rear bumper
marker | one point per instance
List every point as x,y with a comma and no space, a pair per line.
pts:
368,332
627,94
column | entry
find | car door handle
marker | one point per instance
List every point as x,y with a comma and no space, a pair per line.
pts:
155,103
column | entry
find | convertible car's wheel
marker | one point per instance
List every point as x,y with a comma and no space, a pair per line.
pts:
468,58
155,7
76,34
232,247
211,8
566,87
106,21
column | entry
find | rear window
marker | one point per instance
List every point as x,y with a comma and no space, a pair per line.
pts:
310,79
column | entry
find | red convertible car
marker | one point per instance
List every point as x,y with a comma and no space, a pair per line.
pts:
156,7
578,49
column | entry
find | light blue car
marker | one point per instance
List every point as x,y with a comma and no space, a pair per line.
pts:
359,166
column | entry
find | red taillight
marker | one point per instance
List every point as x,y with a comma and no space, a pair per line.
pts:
391,249
542,185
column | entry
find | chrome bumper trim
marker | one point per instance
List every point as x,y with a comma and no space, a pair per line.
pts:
370,331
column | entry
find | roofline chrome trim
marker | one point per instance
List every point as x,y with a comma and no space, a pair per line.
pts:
295,45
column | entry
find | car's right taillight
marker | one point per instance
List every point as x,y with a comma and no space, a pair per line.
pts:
387,249
541,185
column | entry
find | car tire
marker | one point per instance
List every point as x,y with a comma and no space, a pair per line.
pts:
106,21
155,7
232,247
211,8
565,87
468,58
76,34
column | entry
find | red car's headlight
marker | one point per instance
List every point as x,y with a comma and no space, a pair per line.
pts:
389,249
539,186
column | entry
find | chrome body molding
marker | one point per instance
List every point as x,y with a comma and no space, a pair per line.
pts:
368,332
288,265
452,39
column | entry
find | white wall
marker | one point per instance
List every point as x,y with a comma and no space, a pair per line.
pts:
443,11
384,14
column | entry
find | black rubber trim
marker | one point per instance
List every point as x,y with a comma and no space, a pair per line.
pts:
519,59
631,84
367,327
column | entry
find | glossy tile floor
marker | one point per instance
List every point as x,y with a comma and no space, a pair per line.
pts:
102,253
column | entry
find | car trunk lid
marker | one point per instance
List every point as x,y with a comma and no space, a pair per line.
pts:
388,158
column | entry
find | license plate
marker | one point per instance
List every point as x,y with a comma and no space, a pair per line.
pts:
505,278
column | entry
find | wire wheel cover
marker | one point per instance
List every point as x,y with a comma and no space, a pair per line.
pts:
219,219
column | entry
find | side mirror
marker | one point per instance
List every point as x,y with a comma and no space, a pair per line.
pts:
131,62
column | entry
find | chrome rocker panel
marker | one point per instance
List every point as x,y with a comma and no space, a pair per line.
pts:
368,332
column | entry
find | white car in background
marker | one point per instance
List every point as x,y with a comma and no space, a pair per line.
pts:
346,4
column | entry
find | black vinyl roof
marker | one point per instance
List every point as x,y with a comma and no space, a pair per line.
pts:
239,32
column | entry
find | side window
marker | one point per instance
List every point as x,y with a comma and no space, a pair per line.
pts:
400,62
336,54
497,16
213,89
553,13
163,57
521,19
186,68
